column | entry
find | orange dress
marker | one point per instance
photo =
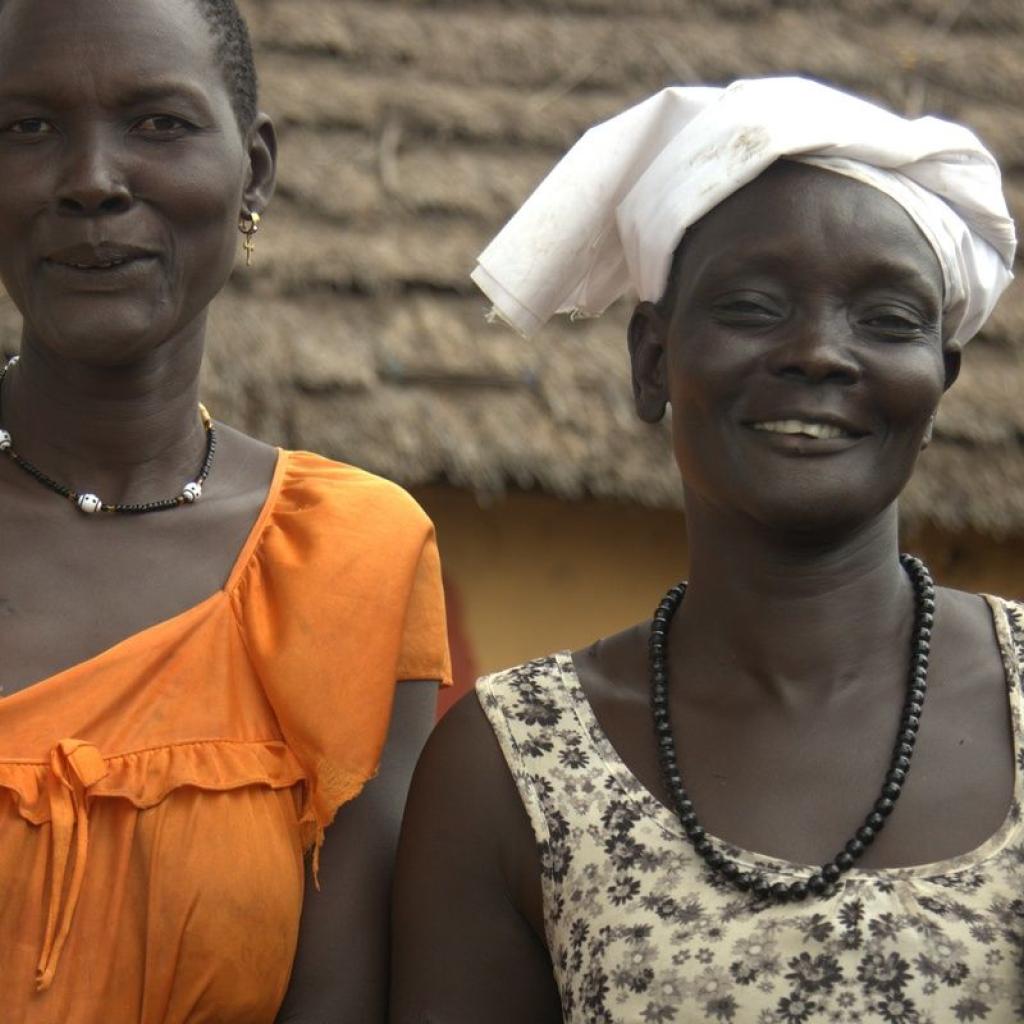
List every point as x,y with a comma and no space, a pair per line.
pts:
156,800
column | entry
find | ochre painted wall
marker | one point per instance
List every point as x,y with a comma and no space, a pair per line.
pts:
971,561
533,574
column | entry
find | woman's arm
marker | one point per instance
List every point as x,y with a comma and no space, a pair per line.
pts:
467,905
340,974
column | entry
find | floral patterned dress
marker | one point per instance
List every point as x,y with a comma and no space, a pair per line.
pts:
640,932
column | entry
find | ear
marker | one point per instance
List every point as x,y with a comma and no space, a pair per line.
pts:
261,150
929,432
647,329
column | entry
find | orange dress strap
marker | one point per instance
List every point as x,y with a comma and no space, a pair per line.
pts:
341,600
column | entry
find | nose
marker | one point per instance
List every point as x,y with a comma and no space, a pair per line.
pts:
819,350
91,179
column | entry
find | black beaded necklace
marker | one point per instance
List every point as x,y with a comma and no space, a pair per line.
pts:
823,881
90,504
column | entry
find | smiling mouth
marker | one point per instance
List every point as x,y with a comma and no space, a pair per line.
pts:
108,264
805,428
105,256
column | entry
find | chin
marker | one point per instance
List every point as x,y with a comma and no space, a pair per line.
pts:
818,527
822,514
115,348
104,333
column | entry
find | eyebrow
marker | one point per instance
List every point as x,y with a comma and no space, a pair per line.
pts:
897,274
157,91
135,95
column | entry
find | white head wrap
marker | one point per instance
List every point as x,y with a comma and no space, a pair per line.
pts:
610,215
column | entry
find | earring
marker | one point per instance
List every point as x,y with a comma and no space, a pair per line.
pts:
249,224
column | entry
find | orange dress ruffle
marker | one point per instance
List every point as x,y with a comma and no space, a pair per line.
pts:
156,800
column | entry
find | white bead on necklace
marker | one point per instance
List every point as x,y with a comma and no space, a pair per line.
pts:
90,504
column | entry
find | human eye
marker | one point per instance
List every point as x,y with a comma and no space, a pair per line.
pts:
163,126
28,126
897,323
746,309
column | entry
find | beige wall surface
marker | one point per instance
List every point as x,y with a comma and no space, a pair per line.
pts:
535,574
972,562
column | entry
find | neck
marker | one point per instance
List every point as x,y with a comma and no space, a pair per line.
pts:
127,433
790,614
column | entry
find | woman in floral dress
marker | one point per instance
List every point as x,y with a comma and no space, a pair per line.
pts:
794,794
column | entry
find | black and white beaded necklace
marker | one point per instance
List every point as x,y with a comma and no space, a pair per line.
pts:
90,504
822,882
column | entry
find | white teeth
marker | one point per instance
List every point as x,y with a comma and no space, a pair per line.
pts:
106,265
823,431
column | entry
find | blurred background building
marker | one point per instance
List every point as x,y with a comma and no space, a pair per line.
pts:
410,131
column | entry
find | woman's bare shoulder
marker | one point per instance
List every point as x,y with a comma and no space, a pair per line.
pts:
467,886
463,771
965,617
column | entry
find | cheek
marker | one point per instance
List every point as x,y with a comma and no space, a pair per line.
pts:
196,210
200,207
909,394
701,393
23,202
706,379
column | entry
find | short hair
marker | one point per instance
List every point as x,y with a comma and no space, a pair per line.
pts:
234,56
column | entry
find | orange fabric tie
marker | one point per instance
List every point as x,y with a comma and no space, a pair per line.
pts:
74,767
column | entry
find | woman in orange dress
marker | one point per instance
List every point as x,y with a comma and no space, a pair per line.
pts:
201,634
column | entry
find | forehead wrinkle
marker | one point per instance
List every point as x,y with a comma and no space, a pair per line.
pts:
886,267
889,220
156,63
74,33
126,93
746,234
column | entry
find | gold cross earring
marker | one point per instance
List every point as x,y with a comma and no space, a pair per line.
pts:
249,224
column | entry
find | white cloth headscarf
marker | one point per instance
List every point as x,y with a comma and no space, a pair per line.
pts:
609,217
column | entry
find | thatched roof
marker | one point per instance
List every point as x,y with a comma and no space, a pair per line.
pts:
411,130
